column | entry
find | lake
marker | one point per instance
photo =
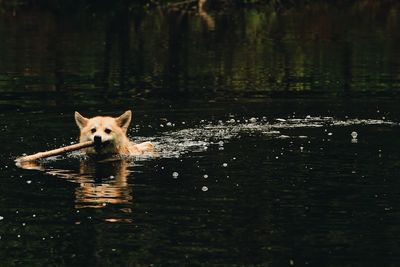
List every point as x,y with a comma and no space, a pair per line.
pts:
276,130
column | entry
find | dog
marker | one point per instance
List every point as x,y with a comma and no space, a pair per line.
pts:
109,136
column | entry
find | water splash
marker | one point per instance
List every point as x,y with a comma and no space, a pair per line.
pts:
175,143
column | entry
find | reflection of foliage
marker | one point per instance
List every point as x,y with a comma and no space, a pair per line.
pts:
106,5
316,47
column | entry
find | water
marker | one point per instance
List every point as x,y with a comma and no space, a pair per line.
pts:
252,114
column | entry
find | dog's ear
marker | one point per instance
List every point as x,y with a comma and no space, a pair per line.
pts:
80,120
124,120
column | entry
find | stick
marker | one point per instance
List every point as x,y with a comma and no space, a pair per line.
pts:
54,152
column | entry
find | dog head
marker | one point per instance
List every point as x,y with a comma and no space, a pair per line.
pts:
107,133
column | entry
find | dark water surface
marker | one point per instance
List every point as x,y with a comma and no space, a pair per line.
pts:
251,111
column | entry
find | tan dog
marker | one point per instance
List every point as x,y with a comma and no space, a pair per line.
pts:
109,135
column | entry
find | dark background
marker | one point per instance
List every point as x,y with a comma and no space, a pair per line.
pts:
296,77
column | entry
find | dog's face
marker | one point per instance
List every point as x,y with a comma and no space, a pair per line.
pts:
107,133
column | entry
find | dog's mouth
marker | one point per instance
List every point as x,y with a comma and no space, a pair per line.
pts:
98,146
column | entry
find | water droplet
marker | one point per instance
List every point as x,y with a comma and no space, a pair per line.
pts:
354,135
205,176
221,143
169,124
29,182
34,215
225,165
330,134
204,188
1,218
112,176
253,119
175,175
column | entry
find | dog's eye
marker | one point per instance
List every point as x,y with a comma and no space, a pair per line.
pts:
93,130
108,131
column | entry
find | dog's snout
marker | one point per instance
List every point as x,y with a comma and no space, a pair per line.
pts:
97,139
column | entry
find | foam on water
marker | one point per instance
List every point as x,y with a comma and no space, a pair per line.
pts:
198,139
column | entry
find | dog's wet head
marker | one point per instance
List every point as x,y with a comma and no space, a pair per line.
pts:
107,133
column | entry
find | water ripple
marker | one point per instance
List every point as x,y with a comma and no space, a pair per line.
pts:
198,139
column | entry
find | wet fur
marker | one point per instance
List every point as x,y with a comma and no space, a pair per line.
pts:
112,132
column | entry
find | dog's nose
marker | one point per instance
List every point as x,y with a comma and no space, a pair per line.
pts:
97,139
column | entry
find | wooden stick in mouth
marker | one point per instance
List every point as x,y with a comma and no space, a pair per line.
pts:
55,152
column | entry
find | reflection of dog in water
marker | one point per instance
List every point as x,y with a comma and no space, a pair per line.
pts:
99,183
109,135
102,179
103,183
